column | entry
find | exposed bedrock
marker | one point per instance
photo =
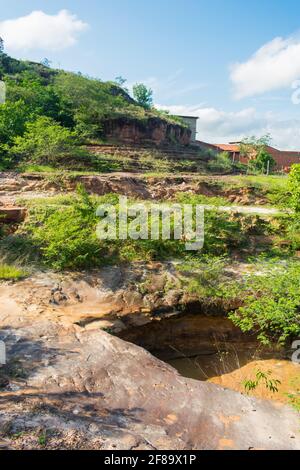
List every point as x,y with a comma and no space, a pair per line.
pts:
110,393
86,388
154,131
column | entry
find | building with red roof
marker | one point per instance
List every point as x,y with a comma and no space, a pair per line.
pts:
284,158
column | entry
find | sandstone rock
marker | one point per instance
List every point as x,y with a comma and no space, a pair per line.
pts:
119,396
12,214
156,131
87,389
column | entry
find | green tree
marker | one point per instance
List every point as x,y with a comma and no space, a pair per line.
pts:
13,118
263,162
2,56
253,143
39,97
220,163
47,142
255,149
143,95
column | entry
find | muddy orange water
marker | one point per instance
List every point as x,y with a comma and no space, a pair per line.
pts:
285,371
231,370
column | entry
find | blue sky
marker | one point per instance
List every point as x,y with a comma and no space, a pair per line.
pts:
232,63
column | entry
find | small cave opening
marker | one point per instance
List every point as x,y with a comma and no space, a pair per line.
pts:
198,346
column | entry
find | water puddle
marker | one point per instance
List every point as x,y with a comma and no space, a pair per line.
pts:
211,348
231,369
204,367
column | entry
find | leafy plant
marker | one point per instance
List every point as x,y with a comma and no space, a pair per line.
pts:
46,142
143,95
255,149
262,162
220,163
294,400
271,305
42,439
262,378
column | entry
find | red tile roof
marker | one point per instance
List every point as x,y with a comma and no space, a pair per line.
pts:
283,158
228,147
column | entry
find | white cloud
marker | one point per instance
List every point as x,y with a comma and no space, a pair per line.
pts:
219,126
40,31
275,65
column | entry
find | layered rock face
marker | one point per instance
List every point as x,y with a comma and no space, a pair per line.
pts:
154,131
81,387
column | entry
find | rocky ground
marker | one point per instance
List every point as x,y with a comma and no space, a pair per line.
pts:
14,186
70,384
71,379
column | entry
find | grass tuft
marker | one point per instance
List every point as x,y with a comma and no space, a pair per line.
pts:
8,272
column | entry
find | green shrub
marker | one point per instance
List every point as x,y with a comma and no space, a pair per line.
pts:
13,118
46,142
61,232
207,279
220,163
271,306
262,162
34,168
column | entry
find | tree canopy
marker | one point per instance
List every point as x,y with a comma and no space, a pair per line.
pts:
143,95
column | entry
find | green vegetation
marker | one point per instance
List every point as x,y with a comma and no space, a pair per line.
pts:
294,203
255,149
46,142
294,400
262,163
149,162
72,108
208,281
271,305
9,272
143,95
262,378
187,198
222,163
60,232
42,439
34,168
273,188
267,295
48,117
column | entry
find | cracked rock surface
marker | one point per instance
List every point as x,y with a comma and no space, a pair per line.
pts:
71,385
